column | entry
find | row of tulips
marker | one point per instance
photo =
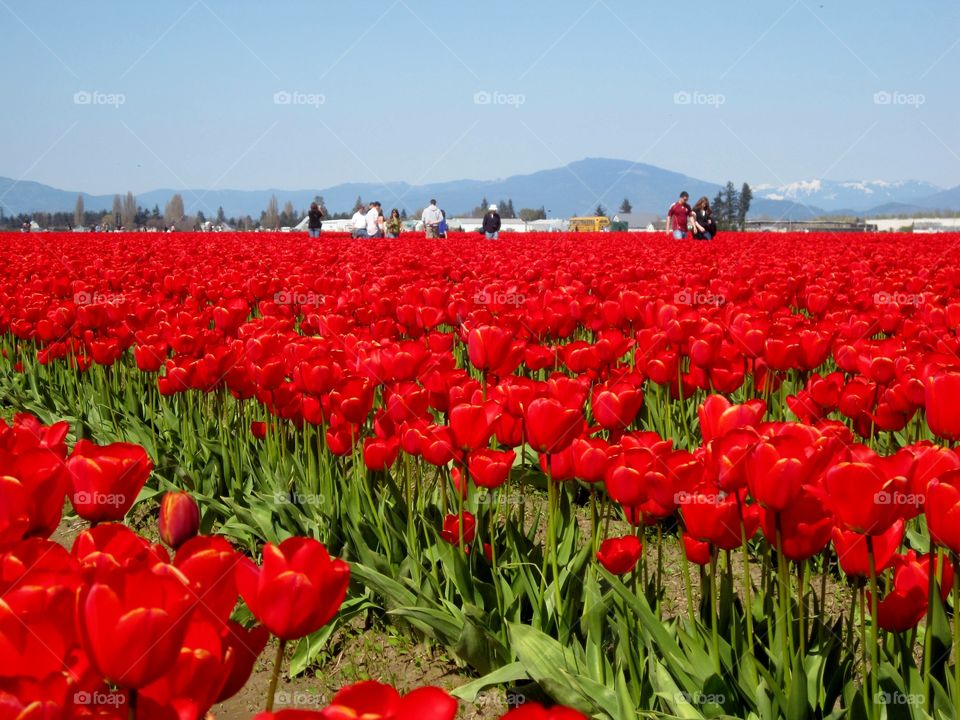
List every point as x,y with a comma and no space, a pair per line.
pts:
769,395
116,627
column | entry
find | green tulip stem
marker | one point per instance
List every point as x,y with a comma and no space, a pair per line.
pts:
874,649
714,631
747,589
277,664
956,621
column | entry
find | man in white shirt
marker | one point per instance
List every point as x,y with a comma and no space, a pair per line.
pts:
431,219
359,223
373,221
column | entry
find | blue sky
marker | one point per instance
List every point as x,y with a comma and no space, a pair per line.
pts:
109,96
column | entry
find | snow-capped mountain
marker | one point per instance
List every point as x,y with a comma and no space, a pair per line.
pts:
848,194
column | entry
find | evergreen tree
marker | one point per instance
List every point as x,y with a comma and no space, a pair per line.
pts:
221,218
743,207
600,210
625,206
719,209
358,204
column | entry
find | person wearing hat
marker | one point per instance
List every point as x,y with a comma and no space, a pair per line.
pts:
491,223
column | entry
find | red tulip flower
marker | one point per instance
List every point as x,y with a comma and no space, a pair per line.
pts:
133,622
451,528
14,511
806,525
210,566
488,346
864,498
179,518
719,416
906,604
716,520
589,459
620,555
943,411
41,473
550,425
243,647
943,510
696,551
536,711
380,454
851,548
298,589
371,700
472,425
106,480
775,471
616,407
490,468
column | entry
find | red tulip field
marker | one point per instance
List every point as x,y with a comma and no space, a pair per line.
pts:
607,475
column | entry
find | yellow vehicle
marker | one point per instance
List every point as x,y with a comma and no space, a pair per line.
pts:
589,224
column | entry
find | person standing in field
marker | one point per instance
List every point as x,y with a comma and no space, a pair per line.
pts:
491,223
442,227
678,215
314,218
431,219
394,224
704,228
373,220
359,222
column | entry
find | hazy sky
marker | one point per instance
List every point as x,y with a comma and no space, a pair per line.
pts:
107,96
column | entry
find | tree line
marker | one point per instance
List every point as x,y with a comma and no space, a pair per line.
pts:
730,208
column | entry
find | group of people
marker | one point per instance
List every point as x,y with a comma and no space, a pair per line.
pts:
682,220
369,222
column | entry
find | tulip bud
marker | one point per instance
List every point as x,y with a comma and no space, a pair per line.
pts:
179,518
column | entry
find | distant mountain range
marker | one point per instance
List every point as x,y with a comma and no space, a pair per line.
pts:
574,189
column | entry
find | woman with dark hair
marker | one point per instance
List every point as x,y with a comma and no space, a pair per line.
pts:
394,224
704,228
442,227
313,220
